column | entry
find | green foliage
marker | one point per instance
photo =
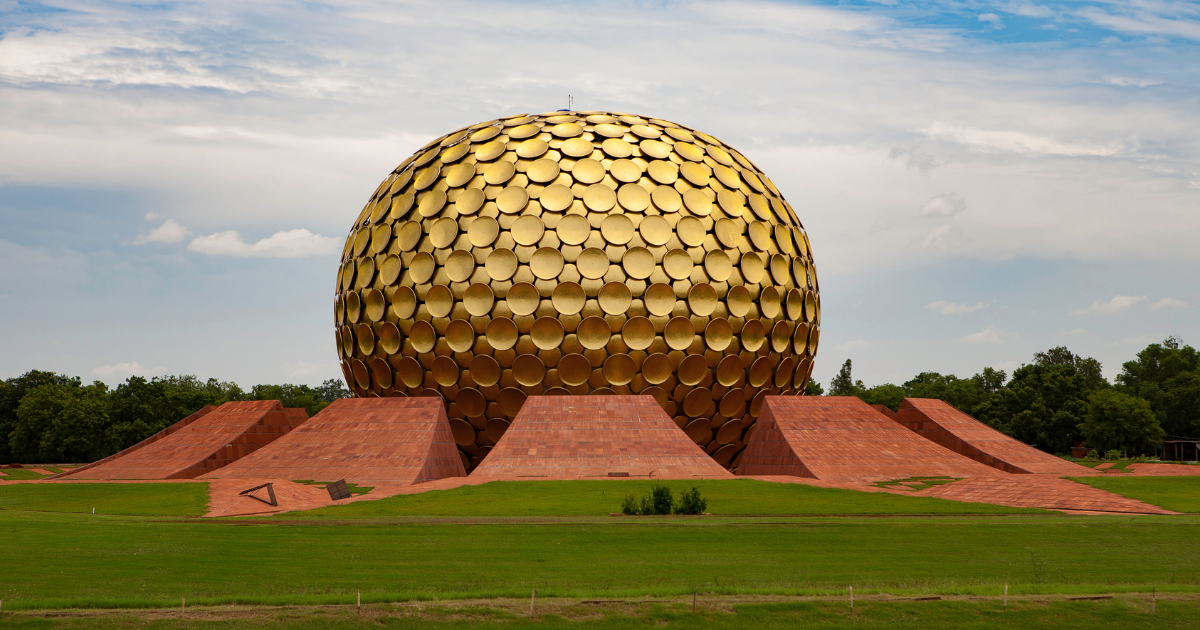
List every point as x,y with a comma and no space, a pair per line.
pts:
139,408
292,396
1120,422
843,383
657,501
11,392
1168,377
813,388
61,423
690,502
887,395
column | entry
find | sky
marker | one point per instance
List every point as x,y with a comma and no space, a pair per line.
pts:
980,180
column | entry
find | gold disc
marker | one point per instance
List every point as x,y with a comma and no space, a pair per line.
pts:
495,429
556,198
633,197
655,230
609,130
566,130
445,371
431,203
728,176
439,301
469,201
528,230
717,265
404,303
381,236
542,171
426,176
485,134
625,171
678,264
730,370
592,263
638,263
656,368
574,369
353,307
660,395
638,333
374,305
697,174
463,433
752,268
783,238
389,270
697,202
768,302
738,301
698,402
753,335
663,171
700,431
659,299
692,369
532,148
645,131
801,373
760,235
617,229
728,233
410,372
800,338
702,299
568,298
484,370
616,148
389,338
615,298
760,371
490,151
483,231
366,272
795,305
546,263
408,235
587,171
501,333
400,206
524,131
478,298
718,334
547,333
523,298
599,198
577,148
619,369
655,149
460,264
501,264
732,430
460,335
361,375
689,151
666,199
573,229
361,240
528,369
512,199
783,374
422,336
691,231
420,268
593,333
780,268
759,205
679,333
460,174
780,336
471,402
381,373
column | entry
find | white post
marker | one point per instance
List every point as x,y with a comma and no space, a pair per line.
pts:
358,602
183,604
851,598
1153,599
531,600
1005,597
93,510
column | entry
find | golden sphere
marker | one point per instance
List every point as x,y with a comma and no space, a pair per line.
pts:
579,253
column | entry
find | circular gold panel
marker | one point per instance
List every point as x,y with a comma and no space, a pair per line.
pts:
568,298
594,333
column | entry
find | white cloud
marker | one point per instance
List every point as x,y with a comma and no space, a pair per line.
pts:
1077,331
941,237
122,371
152,216
1008,141
989,335
992,20
169,232
1131,82
1167,303
1118,304
944,205
947,308
291,244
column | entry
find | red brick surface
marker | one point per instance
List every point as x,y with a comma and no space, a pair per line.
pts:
580,437
73,473
362,440
214,440
841,437
940,422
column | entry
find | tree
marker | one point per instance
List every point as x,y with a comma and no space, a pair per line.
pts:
888,395
1168,377
843,384
968,395
813,388
61,423
141,408
1122,422
333,389
11,392
291,396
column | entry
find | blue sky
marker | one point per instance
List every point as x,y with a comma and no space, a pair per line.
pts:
980,180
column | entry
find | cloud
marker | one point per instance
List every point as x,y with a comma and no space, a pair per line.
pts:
947,308
291,244
1118,304
122,371
1142,23
941,237
1077,331
989,335
168,232
943,205
1136,341
1008,141
1167,303
992,20
1130,82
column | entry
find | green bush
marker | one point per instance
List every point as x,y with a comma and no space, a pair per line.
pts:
1112,456
690,502
658,501
1092,456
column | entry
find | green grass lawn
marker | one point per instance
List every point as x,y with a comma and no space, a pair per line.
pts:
135,499
19,474
596,498
1122,612
1178,494
81,560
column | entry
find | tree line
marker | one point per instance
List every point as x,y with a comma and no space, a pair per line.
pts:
47,417
1061,399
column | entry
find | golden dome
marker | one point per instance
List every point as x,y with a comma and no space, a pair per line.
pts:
579,252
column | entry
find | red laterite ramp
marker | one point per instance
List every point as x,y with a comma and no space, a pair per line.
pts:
582,437
940,422
841,437
364,441
200,443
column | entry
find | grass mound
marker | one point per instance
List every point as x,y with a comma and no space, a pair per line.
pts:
726,497
127,499
1178,494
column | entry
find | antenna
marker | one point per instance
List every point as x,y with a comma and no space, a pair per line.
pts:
570,102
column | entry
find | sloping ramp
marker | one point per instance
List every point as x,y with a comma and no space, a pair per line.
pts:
841,437
146,442
581,437
940,422
206,443
362,440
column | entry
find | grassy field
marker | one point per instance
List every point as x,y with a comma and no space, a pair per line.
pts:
134,499
1178,494
1034,613
733,497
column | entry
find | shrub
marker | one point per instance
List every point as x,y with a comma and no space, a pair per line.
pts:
630,505
690,502
657,501
661,499
1112,456
1092,456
